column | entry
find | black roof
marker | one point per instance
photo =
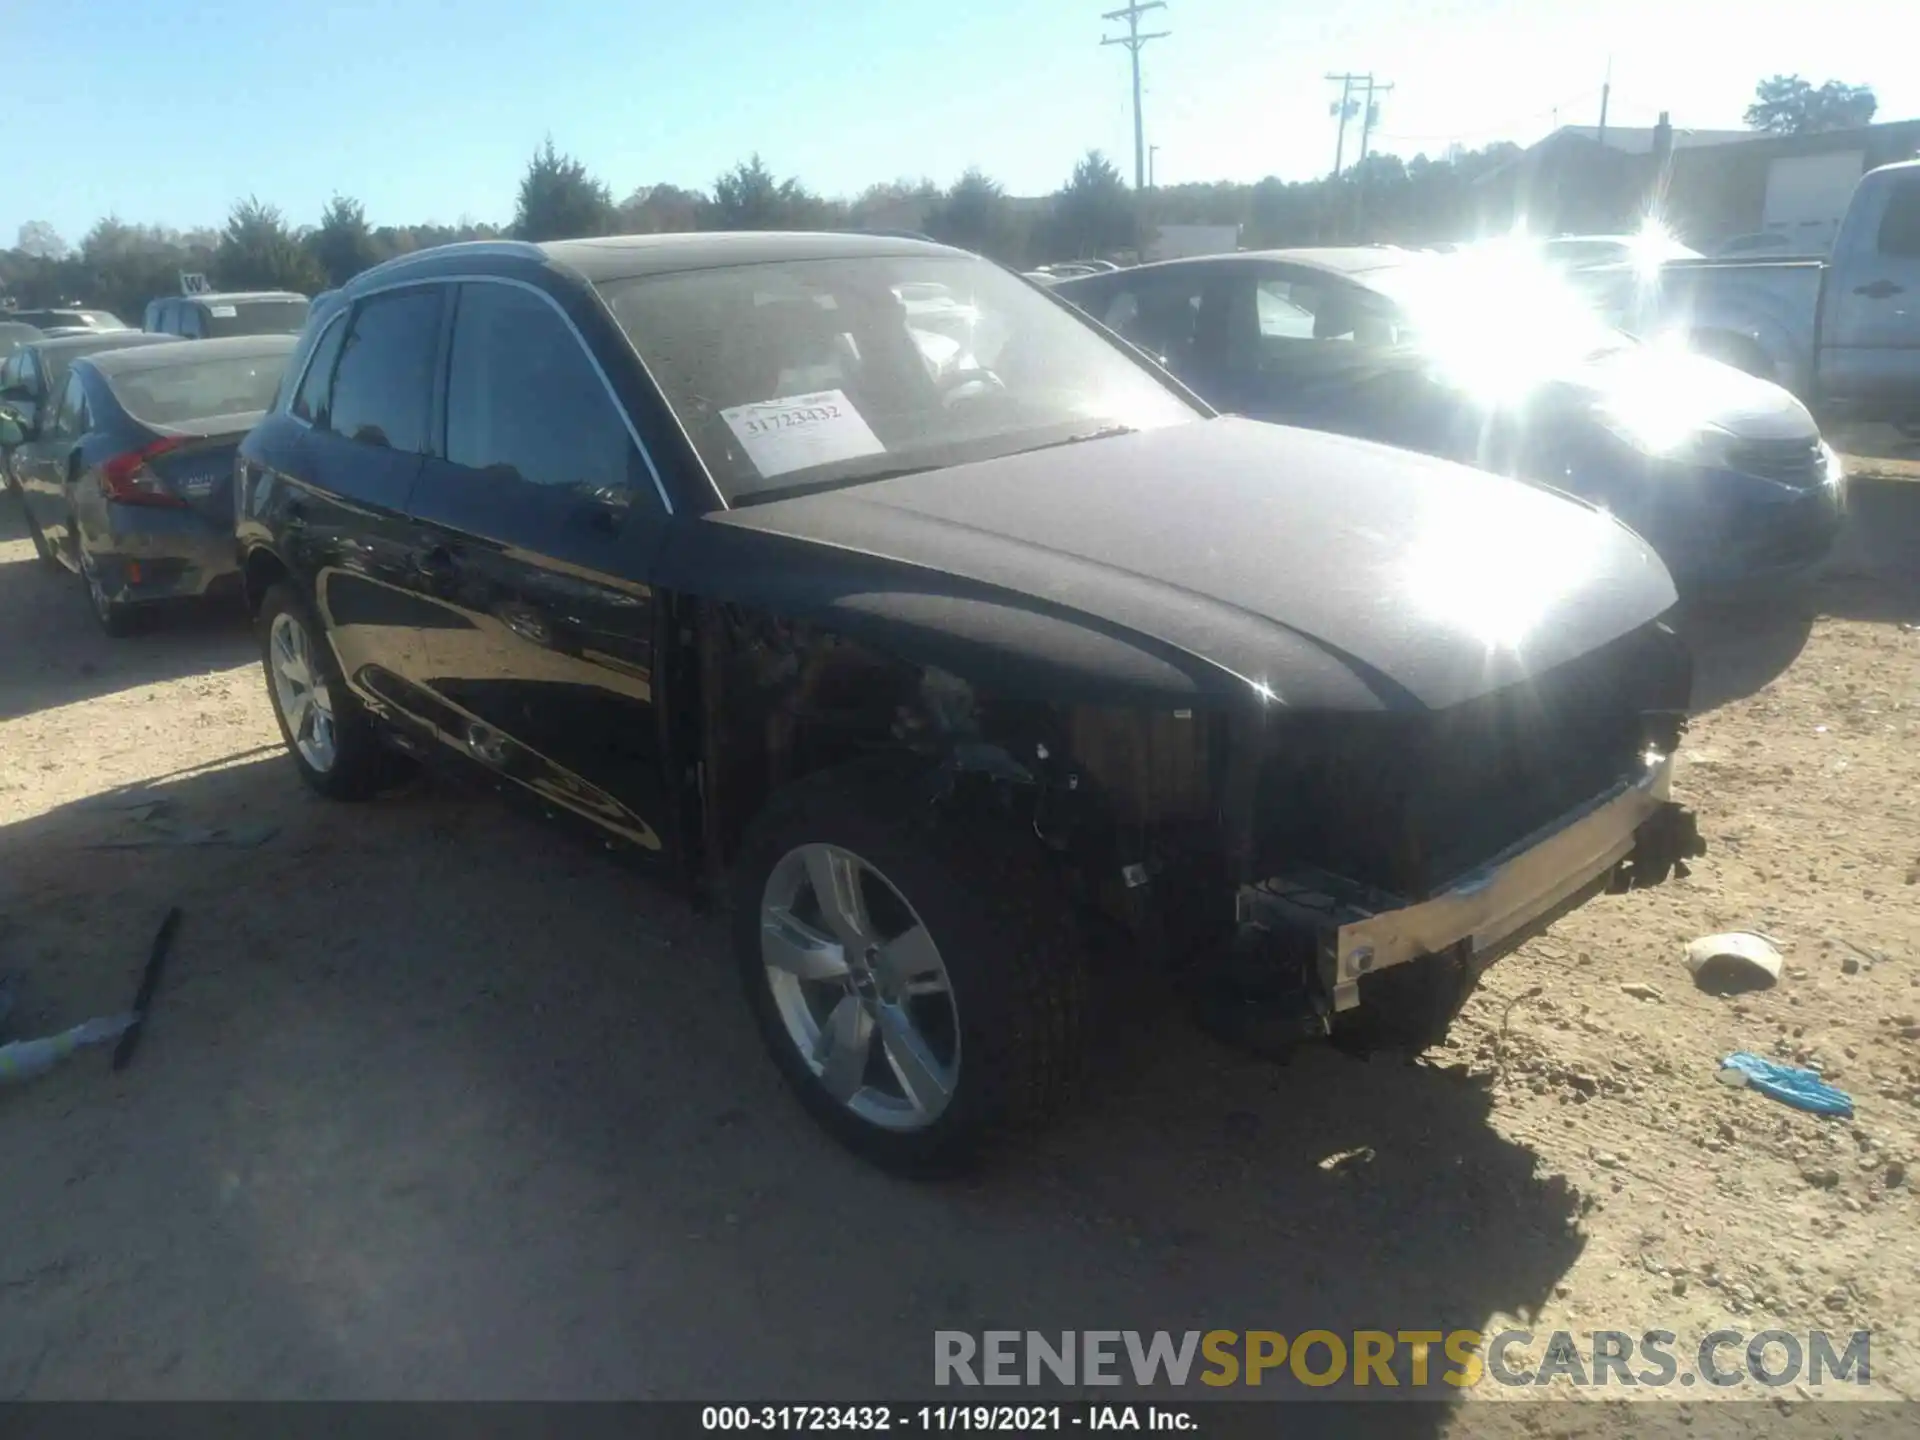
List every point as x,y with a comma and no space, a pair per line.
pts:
620,257
174,351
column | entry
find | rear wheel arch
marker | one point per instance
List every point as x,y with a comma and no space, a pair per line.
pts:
260,571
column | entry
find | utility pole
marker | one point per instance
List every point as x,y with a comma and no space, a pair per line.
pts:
1133,40
1371,113
1606,93
1343,108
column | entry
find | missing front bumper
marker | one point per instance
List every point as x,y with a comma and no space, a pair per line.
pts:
1628,838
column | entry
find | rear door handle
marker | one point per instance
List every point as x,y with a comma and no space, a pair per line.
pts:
1879,289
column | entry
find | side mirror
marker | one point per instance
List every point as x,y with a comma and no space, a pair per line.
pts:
11,434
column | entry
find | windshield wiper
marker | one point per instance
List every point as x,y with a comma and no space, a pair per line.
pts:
1104,432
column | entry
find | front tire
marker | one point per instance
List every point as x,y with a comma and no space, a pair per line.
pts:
330,737
914,975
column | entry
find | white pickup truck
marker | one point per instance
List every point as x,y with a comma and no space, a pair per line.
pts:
1842,333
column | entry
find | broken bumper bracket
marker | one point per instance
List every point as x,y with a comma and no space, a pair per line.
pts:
1629,838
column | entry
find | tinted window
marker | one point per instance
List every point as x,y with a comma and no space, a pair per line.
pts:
251,317
383,384
71,418
171,394
1900,225
524,400
1159,317
311,403
188,320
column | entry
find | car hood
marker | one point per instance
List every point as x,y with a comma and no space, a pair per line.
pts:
1313,568
1674,387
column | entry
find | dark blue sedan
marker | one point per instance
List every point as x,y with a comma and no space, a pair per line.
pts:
1488,357
127,474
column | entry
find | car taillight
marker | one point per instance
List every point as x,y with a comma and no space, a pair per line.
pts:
127,480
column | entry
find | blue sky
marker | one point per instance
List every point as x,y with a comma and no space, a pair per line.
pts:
166,111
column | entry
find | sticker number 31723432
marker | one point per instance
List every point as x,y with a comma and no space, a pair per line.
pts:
797,432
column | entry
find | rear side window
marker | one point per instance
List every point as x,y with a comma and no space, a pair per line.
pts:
310,404
173,394
524,400
1900,225
383,383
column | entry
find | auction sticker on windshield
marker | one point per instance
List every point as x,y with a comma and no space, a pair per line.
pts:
797,432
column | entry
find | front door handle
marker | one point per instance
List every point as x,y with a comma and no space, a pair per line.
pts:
1879,290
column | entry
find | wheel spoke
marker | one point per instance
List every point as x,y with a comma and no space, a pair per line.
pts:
836,885
797,948
914,1065
845,1041
300,712
909,964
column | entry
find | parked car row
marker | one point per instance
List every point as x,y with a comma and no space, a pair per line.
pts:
969,655
127,477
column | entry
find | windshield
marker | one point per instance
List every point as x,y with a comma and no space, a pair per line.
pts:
798,374
254,317
174,394
1496,318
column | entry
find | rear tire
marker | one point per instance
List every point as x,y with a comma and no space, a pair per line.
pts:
1003,1041
116,619
331,738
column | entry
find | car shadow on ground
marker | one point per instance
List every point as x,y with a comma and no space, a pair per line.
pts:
1740,647
42,599
437,1101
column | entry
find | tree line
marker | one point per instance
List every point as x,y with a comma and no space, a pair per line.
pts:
120,266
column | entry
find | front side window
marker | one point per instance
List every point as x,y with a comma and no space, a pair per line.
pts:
383,383
524,401
310,403
800,374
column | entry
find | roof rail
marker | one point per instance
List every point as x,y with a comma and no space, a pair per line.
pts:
523,248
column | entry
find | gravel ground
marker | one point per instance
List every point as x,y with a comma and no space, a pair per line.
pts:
437,1102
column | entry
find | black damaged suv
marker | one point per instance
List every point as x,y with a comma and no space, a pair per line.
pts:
858,581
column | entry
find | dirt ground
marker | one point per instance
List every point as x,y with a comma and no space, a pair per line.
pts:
437,1102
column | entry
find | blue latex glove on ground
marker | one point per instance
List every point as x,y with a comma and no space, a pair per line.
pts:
1790,1085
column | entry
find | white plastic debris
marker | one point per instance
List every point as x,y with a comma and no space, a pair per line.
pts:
1737,959
24,1059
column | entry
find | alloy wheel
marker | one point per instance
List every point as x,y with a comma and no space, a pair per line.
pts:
299,691
860,987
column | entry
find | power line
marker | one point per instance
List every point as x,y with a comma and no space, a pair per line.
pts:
1133,40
